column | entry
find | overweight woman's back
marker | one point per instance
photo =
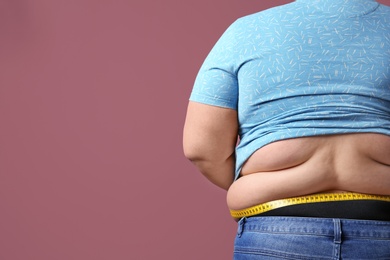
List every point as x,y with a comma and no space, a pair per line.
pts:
306,88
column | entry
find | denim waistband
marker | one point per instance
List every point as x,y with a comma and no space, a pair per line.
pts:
317,226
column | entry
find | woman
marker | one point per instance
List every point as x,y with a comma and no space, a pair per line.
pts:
306,89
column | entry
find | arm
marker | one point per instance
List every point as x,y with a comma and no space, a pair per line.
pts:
209,140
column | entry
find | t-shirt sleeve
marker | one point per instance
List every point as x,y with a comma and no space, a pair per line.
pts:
216,83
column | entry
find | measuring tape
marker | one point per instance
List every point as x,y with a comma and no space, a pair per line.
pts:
323,197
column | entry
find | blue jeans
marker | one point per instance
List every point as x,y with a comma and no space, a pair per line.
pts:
311,238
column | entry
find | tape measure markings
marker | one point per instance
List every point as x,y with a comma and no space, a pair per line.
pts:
324,197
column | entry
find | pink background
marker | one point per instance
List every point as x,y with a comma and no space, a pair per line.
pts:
93,96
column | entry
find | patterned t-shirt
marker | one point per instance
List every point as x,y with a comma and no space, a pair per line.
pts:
308,68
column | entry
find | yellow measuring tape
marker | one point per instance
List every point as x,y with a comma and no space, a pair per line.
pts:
322,197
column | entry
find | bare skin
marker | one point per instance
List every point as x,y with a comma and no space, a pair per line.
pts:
288,168
295,167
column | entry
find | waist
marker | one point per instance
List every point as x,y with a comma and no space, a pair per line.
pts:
289,168
329,205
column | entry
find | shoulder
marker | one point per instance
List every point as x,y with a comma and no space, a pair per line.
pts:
384,11
274,13
269,18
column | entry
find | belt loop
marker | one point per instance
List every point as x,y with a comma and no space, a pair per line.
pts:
337,231
241,224
337,238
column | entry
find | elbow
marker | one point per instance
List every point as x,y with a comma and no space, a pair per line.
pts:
204,152
215,165
193,153
199,152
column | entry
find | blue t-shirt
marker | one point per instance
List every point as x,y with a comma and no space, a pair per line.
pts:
308,68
